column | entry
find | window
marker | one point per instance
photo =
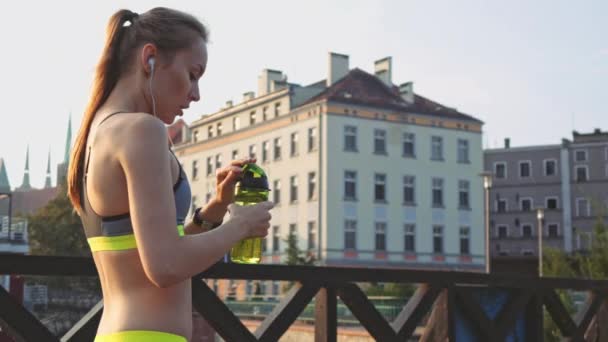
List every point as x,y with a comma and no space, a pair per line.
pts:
436,148
209,166
293,189
379,141
264,246
580,156
277,148
276,239
195,136
503,232
265,147
465,233
235,154
582,207
525,204
312,138
409,145
219,129
550,167
463,151
210,131
252,151
208,196
293,229
312,235
463,194
236,123
311,185
524,169
194,169
380,236
350,138
409,190
437,192
265,113
409,243
581,173
277,109
526,231
501,205
437,239
350,234
553,230
277,191
252,118
500,170
350,185
380,187
551,203
293,150
218,161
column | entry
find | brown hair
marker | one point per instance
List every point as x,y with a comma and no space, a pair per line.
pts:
170,30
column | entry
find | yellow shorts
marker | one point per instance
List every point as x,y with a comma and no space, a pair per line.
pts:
140,336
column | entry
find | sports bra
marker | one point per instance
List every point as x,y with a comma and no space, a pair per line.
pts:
113,233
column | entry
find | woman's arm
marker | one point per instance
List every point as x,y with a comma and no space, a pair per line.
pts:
166,257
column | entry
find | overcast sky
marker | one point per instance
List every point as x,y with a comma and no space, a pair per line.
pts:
531,70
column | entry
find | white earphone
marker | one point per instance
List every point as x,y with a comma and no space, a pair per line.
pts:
151,62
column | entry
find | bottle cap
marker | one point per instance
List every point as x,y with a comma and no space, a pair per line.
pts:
254,178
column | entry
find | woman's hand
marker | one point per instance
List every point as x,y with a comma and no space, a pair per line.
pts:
226,179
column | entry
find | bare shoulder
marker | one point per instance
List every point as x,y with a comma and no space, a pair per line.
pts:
140,138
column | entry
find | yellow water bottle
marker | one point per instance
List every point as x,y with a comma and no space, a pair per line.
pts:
251,189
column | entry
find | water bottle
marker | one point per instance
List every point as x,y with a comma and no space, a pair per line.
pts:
251,189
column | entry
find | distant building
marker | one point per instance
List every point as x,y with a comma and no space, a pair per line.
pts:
365,172
568,180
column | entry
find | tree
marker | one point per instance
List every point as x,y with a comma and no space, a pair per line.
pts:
295,256
56,229
590,265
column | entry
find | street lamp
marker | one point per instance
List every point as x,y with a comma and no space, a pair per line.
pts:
487,184
540,216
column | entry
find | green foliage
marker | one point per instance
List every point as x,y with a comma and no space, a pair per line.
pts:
56,229
591,265
295,256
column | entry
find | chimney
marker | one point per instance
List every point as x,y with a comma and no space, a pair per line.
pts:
406,90
507,143
248,96
228,104
265,80
383,69
338,67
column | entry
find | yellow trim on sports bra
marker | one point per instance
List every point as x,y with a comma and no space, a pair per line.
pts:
119,243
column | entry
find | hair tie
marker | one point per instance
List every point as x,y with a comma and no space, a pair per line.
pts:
130,19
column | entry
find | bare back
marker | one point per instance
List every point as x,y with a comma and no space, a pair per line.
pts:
131,300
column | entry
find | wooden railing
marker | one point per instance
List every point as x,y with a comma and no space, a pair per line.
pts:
458,306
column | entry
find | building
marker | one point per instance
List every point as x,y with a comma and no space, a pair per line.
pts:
363,171
569,181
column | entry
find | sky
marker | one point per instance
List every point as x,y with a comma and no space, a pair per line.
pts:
533,71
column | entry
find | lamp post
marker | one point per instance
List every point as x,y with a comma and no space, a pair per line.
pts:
487,184
540,216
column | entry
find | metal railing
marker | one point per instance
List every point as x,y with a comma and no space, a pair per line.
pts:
455,305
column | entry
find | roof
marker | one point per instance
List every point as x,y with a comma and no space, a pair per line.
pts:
361,88
28,202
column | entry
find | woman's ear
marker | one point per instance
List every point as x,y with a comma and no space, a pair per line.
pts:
148,57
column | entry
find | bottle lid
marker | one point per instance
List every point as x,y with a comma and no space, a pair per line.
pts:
254,177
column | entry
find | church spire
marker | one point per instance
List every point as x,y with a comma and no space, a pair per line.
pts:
5,186
47,183
68,142
25,185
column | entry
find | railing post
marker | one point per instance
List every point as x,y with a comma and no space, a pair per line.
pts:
326,317
534,317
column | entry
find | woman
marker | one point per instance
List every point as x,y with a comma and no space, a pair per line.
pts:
130,190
